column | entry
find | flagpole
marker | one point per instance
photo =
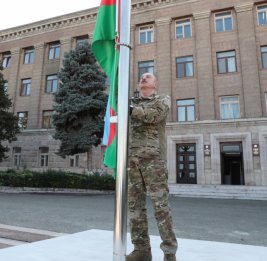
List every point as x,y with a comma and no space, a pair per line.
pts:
120,223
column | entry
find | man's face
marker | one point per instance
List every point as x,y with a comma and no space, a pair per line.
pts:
147,85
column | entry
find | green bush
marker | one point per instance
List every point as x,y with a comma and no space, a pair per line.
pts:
56,179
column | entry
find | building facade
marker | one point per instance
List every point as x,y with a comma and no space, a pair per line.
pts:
209,56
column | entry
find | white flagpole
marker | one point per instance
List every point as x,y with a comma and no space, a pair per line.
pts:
120,223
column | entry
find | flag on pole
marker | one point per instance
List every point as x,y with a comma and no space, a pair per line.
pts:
103,46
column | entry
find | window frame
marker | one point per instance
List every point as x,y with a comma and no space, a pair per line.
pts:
146,68
16,157
49,86
185,63
47,120
226,62
81,40
74,161
262,60
25,89
6,60
186,106
183,24
22,125
53,47
259,11
29,54
229,103
223,17
150,28
43,157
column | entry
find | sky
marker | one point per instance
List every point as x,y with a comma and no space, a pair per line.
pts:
20,12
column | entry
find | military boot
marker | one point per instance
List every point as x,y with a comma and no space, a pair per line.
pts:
169,257
140,255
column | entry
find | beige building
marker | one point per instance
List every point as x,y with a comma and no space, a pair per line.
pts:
209,56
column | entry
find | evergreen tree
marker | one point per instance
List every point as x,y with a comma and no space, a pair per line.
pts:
8,122
80,103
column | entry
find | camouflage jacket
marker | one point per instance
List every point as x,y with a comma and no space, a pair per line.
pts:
147,126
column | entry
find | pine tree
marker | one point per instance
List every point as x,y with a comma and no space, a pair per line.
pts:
8,122
80,103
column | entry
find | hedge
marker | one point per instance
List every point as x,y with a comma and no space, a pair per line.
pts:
56,179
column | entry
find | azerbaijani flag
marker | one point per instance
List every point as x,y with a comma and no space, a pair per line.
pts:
103,46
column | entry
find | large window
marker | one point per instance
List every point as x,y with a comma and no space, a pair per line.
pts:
183,28
145,67
47,120
229,106
28,55
25,87
6,60
54,51
51,83
186,110
223,22
6,86
43,152
262,14
74,161
146,34
226,62
23,119
264,56
184,67
17,156
80,41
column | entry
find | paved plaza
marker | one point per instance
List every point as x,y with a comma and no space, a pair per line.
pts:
209,229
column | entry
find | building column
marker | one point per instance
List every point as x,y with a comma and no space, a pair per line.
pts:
37,86
132,61
13,81
65,46
204,67
249,62
163,57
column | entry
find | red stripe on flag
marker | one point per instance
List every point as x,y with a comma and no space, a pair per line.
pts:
108,2
112,128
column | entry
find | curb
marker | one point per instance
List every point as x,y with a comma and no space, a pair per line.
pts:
61,191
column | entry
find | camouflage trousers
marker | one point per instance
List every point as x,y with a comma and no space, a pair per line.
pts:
148,177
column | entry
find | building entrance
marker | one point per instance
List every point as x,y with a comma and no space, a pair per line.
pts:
232,164
186,163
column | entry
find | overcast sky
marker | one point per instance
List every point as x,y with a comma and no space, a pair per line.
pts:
20,12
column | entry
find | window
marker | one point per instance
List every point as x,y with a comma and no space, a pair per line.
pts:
80,41
16,156
145,67
51,83
54,51
43,151
6,86
47,120
226,62
184,67
146,34
186,110
262,14
266,100
264,56
183,28
223,22
6,60
74,161
230,107
28,56
23,119
25,87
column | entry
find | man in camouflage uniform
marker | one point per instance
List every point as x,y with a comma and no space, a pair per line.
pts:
148,173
